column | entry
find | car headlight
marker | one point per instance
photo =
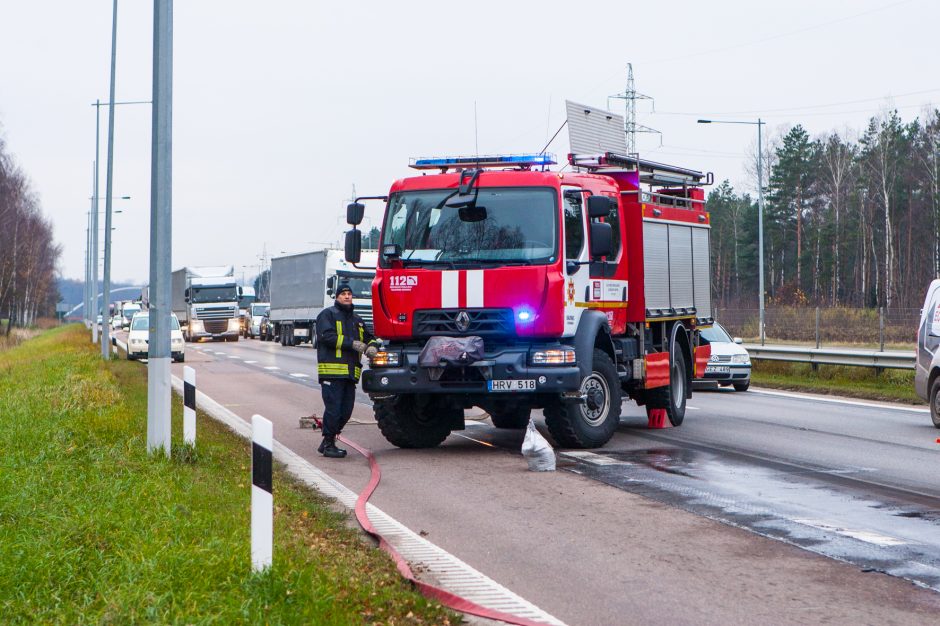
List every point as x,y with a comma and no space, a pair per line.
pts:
233,324
553,356
384,358
138,342
741,358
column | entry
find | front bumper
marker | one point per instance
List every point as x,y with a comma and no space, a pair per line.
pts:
737,373
508,363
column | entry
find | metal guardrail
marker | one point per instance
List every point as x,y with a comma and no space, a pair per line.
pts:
894,359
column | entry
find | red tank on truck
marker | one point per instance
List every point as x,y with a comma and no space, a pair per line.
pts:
587,287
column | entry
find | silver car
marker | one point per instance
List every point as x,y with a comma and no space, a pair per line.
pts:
730,363
927,370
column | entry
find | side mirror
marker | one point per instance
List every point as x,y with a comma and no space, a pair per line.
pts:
354,213
600,206
602,239
391,250
241,291
738,340
353,245
186,295
331,283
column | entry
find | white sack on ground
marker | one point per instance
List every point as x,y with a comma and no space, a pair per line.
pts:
537,451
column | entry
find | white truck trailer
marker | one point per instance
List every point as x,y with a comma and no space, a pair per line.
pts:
205,299
303,284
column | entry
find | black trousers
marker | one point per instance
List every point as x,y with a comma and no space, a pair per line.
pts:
339,396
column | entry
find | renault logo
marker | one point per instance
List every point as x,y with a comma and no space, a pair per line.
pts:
463,321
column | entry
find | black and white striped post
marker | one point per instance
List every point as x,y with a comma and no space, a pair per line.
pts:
262,501
189,406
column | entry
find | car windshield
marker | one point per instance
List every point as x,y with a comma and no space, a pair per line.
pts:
129,312
213,294
141,323
257,309
716,334
361,285
505,225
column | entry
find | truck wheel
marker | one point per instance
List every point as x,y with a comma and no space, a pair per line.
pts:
516,417
592,424
406,425
935,402
672,397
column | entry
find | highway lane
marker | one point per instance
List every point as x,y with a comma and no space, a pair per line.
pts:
629,550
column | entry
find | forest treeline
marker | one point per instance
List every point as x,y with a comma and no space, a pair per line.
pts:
28,252
847,222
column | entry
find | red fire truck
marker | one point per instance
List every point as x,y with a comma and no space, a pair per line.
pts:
585,286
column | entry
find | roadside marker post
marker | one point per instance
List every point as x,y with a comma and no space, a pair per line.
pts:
262,500
189,406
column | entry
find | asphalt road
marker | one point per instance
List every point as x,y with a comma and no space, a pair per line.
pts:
762,507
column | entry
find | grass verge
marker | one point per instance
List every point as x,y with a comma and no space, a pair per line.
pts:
855,382
94,530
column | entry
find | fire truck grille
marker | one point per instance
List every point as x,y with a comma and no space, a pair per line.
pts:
450,322
216,326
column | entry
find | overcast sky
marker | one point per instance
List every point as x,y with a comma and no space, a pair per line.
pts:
279,108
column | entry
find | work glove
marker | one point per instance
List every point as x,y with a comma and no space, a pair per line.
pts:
359,347
371,351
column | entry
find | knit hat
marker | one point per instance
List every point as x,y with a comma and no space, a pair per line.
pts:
343,287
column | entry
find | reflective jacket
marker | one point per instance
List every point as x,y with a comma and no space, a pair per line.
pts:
336,331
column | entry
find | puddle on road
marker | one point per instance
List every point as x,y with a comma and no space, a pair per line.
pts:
816,509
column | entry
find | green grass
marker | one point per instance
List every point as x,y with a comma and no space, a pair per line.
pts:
855,382
95,530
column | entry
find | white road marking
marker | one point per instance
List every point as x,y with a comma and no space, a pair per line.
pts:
862,535
296,375
220,353
592,458
694,408
871,405
250,361
272,367
232,356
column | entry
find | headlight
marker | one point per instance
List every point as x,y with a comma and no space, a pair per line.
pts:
195,326
740,358
233,324
384,358
553,356
137,342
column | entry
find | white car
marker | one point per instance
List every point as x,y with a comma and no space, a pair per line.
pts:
116,322
927,369
139,335
730,363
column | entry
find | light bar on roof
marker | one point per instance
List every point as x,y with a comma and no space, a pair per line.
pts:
488,160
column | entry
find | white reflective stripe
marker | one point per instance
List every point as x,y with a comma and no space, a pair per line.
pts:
475,288
450,281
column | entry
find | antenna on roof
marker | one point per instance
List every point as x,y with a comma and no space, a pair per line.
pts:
630,127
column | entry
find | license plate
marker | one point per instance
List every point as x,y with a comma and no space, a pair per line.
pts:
511,385
717,369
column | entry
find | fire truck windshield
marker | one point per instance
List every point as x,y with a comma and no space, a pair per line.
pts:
505,226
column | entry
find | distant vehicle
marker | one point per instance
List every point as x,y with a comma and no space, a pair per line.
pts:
205,299
266,329
99,320
139,335
257,310
116,320
927,369
729,363
128,310
304,284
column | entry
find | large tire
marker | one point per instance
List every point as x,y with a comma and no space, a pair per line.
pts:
935,402
515,417
405,425
672,397
592,424
742,386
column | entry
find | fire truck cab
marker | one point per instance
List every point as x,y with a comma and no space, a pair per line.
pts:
584,288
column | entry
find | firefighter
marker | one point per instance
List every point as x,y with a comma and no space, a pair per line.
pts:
341,340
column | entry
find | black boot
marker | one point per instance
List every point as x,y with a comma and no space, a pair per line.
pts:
330,450
322,445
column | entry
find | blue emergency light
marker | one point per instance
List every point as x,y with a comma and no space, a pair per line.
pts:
489,160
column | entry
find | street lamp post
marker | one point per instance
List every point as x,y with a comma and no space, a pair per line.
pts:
760,211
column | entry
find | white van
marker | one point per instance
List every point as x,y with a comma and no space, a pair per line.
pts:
927,369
